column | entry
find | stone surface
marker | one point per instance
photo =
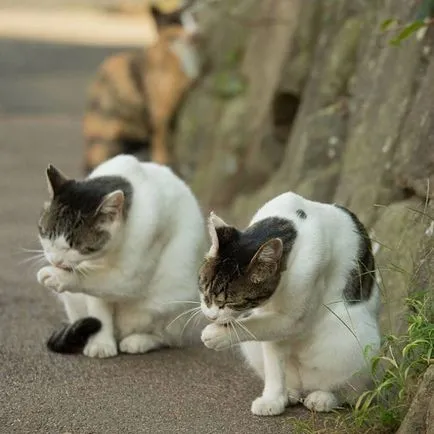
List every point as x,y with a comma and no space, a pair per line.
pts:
419,418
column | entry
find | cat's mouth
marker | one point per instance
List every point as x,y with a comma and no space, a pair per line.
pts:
63,267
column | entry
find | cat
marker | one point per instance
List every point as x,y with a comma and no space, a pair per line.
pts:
297,288
132,102
124,247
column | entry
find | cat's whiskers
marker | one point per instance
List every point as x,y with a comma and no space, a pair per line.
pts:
243,327
24,250
186,312
193,315
83,271
232,323
182,302
36,259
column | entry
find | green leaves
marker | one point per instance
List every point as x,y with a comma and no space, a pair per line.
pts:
424,17
387,24
407,31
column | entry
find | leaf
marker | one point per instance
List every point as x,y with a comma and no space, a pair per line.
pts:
407,32
386,24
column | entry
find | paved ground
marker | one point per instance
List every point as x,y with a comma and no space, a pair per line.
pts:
184,391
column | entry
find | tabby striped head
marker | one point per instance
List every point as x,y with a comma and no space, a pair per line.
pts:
83,218
242,269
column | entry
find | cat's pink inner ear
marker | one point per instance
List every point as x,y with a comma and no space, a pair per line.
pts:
214,222
213,236
265,262
112,203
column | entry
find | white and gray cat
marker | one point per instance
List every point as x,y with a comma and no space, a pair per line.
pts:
124,247
297,288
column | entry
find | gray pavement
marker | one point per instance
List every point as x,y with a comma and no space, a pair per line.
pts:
192,390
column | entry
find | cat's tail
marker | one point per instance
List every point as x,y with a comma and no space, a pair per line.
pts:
71,338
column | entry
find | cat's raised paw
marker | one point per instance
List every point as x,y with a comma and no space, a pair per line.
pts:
100,347
216,337
50,277
138,344
321,401
266,406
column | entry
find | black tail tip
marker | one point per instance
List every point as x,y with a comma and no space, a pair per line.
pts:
71,338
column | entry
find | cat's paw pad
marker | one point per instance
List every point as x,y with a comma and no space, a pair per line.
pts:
293,397
321,401
50,278
100,347
216,337
138,344
266,406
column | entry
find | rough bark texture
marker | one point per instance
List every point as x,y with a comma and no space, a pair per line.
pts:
362,136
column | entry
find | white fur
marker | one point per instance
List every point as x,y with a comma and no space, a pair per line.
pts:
310,343
146,276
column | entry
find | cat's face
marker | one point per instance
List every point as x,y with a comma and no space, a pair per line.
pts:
80,221
236,275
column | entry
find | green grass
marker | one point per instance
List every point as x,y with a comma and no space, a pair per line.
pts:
395,372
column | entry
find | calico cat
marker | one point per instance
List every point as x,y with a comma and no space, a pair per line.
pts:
124,247
297,288
132,101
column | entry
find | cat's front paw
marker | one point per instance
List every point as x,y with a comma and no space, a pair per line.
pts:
100,346
216,337
53,278
321,401
269,406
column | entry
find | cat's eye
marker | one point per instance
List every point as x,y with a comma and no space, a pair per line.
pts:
90,250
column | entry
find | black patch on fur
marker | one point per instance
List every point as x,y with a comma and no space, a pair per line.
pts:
85,196
362,278
240,247
300,213
71,338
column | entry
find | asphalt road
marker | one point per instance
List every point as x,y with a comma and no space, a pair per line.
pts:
193,390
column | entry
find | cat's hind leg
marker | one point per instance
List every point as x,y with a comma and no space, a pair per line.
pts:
139,343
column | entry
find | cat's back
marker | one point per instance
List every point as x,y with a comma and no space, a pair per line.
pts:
322,229
139,173
151,183
306,213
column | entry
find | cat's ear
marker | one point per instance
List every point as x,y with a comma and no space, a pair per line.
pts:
214,223
266,261
112,204
55,180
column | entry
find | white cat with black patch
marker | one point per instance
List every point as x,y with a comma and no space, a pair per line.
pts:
298,289
124,247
